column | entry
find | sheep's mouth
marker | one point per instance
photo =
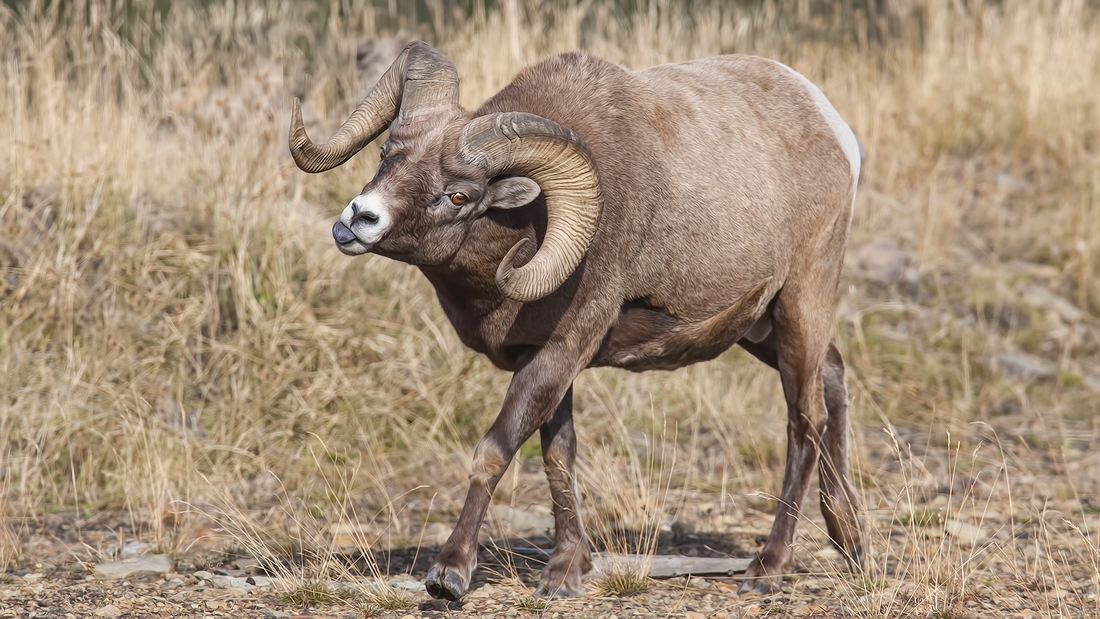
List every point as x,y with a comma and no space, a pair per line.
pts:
342,234
346,241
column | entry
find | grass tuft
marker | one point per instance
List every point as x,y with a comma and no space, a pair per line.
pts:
317,593
388,598
532,604
621,582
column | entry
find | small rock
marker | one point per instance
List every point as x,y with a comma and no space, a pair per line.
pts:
274,614
231,582
130,549
172,583
32,578
1004,180
203,575
1047,300
108,611
407,585
882,262
967,534
156,564
1024,367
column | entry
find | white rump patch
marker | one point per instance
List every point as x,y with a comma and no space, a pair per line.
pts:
844,135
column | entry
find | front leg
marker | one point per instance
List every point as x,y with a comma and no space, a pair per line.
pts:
536,390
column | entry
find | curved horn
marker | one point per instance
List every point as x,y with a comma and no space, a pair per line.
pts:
560,162
418,82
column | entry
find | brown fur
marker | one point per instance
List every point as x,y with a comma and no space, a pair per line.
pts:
727,200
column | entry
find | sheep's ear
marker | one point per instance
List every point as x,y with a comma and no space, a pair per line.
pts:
511,192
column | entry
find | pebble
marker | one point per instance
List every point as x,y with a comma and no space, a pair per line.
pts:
407,585
1024,367
232,582
108,611
156,564
967,534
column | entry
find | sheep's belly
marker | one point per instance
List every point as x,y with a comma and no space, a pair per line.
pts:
626,347
649,338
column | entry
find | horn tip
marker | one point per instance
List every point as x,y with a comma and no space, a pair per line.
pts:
505,271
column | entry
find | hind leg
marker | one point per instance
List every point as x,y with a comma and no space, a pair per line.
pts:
839,501
571,559
801,326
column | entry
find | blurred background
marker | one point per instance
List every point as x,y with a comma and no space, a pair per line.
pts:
181,343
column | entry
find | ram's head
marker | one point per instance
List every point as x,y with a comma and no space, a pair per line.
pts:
443,168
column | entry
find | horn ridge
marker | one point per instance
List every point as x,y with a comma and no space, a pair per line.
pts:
561,163
421,78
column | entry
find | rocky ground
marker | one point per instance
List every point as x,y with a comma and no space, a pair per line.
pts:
157,598
943,569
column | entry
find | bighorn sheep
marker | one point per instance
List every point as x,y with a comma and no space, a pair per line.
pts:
588,215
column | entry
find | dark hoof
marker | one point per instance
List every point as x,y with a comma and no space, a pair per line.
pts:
763,586
764,574
444,584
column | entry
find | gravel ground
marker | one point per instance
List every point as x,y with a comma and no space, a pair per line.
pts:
695,599
62,597
942,557
1005,581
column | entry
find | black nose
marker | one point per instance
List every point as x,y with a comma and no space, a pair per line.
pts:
367,216
342,233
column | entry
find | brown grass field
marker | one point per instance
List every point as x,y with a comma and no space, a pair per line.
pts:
187,360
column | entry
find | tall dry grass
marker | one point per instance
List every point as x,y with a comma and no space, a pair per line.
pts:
177,331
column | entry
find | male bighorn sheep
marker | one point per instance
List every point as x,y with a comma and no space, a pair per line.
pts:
588,215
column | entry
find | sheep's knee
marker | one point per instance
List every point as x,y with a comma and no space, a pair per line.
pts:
489,464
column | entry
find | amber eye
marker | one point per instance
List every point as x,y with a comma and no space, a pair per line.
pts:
458,199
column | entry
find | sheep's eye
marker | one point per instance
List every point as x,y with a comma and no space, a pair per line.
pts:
458,199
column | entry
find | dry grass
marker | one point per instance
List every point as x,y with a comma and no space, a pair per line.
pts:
177,331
